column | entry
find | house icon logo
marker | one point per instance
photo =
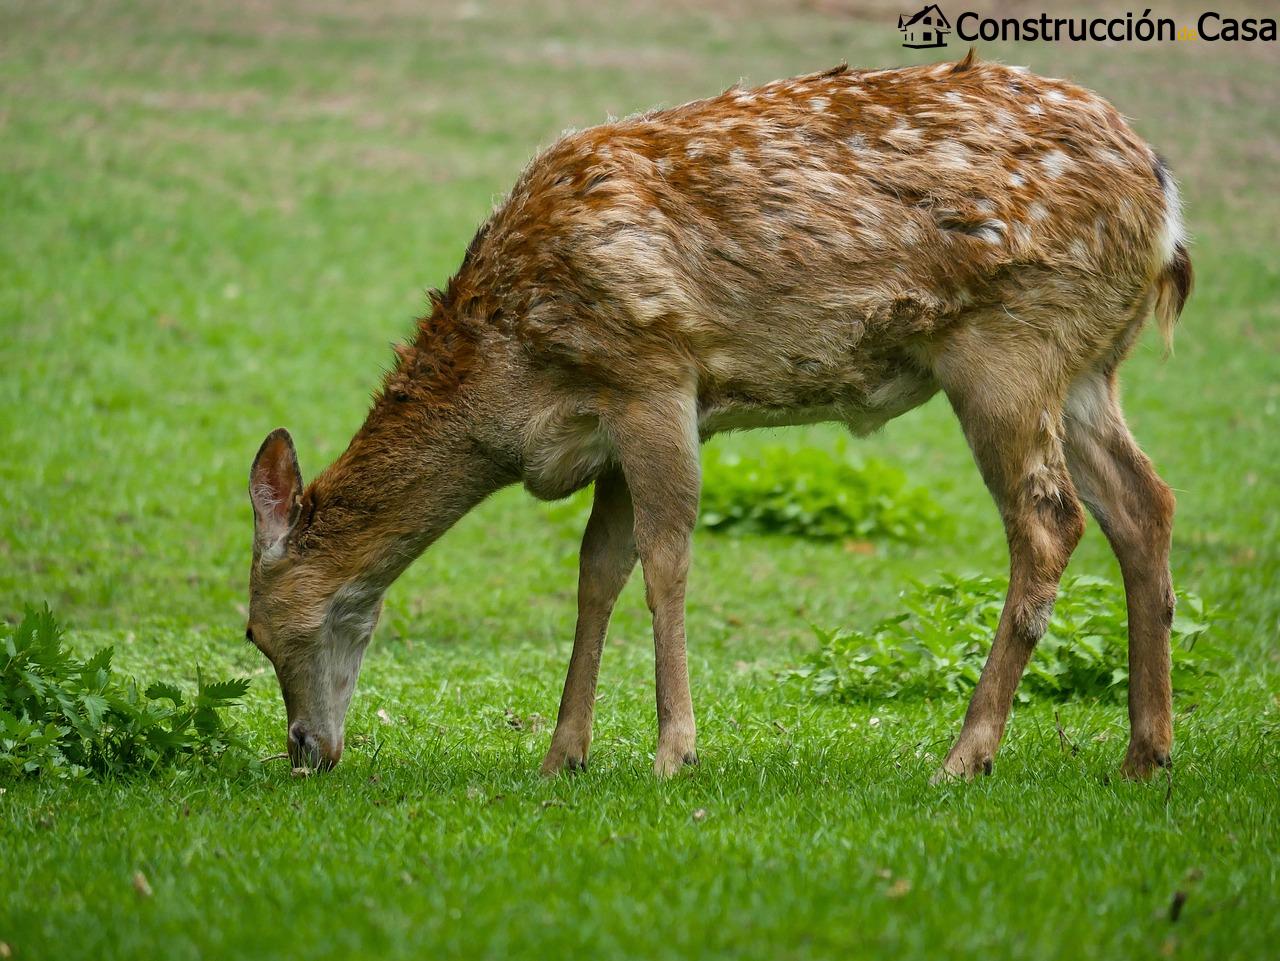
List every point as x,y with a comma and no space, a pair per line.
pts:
928,28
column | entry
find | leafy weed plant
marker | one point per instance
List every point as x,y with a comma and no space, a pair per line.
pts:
814,494
68,718
939,641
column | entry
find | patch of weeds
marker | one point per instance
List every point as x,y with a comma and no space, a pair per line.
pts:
64,717
939,641
814,494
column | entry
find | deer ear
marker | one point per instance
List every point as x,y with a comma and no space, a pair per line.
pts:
275,486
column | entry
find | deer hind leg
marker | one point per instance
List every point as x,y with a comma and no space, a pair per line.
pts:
605,562
1013,421
657,443
1134,508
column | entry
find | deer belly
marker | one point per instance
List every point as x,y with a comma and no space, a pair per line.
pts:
861,406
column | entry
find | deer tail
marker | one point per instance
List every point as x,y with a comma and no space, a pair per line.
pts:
1173,287
1175,278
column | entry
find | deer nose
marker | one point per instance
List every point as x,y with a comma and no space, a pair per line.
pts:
304,748
311,750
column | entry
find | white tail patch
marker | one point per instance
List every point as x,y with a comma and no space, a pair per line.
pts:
1172,232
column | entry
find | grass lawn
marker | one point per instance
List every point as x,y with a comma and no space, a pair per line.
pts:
216,216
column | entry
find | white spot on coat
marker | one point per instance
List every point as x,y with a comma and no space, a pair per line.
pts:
957,156
1055,164
992,231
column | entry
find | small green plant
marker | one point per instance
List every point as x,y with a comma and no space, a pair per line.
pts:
815,494
809,493
937,645
67,718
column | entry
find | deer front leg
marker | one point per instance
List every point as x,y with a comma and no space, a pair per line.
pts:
1017,442
657,441
608,554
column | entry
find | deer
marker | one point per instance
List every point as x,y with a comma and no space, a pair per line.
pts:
836,247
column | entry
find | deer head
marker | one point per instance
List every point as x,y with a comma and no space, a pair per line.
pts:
311,620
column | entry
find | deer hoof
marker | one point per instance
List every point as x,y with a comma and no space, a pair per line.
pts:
565,757
959,766
669,763
1142,760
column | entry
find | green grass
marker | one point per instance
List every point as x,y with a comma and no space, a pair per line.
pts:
215,218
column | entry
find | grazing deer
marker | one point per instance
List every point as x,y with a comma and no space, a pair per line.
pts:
835,247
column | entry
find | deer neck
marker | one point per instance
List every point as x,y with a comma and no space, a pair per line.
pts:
399,486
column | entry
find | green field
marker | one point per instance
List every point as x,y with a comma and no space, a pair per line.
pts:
215,217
